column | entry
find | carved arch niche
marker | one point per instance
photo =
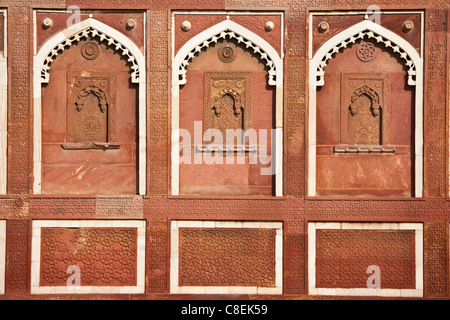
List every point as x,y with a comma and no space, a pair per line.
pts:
365,106
228,80
91,102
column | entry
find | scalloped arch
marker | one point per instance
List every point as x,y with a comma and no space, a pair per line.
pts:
231,30
413,60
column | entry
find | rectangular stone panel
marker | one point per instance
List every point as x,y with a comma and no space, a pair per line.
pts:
88,256
226,257
366,259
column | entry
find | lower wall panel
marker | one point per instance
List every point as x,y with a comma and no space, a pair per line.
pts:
88,256
366,259
226,257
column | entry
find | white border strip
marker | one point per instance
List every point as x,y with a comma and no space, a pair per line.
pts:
2,255
36,256
4,109
416,227
174,257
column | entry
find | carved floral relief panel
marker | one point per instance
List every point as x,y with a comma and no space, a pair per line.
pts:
86,147
242,257
392,252
88,256
228,102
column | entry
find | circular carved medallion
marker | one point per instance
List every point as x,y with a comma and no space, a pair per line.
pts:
226,54
90,50
91,126
366,52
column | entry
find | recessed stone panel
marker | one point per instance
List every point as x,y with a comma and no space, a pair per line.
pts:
88,256
226,257
365,259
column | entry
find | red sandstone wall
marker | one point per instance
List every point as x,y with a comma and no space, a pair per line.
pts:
20,207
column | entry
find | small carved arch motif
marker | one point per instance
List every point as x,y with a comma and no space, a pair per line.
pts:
95,90
373,95
86,34
230,97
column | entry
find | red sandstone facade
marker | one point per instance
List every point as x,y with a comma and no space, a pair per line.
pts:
337,184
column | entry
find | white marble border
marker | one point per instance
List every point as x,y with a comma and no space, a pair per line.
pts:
177,60
36,256
314,62
174,257
4,108
416,227
39,60
2,255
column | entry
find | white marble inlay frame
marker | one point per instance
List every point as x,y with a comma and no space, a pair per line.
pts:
174,257
413,60
181,59
4,108
2,255
49,51
36,256
416,227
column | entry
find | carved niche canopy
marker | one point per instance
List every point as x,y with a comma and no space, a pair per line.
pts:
227,102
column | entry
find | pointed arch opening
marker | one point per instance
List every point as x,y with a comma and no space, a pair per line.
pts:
229,31
90,31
